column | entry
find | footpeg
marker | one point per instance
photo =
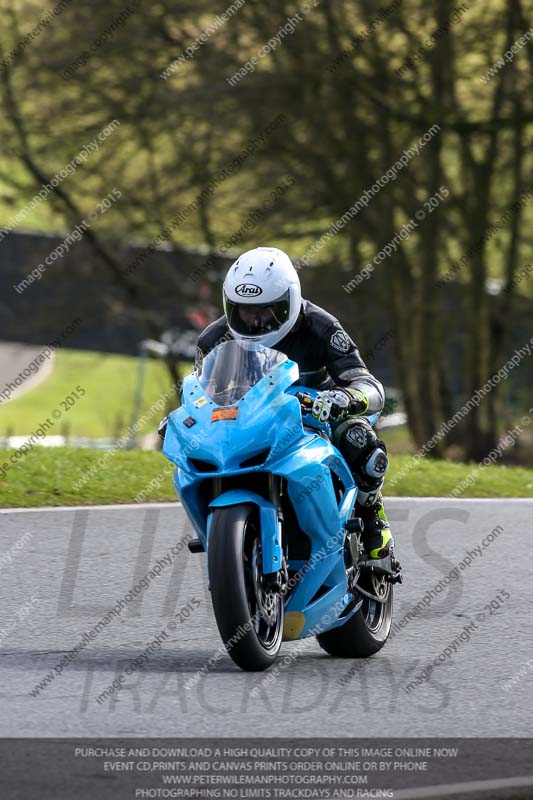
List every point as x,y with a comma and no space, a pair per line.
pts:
388,566
195,546
397,576
381,566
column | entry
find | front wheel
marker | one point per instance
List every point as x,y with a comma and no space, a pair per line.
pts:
248,613
368,629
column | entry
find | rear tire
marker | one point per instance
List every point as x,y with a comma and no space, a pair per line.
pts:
366,631
249,617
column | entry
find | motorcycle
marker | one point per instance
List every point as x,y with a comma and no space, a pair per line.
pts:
272,501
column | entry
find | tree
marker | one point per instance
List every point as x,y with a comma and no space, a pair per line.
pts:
355,87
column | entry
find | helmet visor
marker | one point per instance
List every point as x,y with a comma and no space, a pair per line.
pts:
255,319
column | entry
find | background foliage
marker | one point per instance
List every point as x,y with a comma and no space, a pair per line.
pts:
350,108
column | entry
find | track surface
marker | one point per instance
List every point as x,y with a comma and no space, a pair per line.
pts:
78,563
14,359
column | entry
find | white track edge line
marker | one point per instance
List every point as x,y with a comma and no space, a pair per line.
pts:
388,499
110,507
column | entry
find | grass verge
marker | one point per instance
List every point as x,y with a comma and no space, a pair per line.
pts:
105,409
47,477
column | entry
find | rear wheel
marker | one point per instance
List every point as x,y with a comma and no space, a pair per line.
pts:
367,630
249,614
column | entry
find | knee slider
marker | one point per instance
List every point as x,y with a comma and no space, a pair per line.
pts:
377,463
365,453
355,438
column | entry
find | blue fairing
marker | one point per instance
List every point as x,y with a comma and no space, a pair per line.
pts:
268,429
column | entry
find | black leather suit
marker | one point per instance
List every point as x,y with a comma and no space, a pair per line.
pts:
328,358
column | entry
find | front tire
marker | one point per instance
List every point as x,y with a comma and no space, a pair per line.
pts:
249,616
367,630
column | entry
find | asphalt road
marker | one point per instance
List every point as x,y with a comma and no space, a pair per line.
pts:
61,571
14,359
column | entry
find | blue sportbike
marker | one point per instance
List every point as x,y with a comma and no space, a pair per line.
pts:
272,501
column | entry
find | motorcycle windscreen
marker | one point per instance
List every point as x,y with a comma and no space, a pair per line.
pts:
233,367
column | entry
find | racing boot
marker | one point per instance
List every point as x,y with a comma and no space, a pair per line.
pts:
377,537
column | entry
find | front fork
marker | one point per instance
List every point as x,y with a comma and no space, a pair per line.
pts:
277,581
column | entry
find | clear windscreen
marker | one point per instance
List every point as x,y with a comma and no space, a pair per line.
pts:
232,368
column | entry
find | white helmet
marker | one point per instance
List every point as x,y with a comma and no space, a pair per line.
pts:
262,296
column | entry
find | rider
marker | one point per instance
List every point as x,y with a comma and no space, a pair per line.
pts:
263,303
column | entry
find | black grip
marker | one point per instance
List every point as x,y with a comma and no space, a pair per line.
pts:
306,402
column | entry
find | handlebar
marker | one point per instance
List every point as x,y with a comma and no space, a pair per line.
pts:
306,398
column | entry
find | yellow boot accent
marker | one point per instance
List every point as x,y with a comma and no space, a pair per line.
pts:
386,537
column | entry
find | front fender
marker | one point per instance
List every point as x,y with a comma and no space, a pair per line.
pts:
270,524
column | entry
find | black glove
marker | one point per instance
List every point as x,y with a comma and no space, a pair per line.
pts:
335,404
